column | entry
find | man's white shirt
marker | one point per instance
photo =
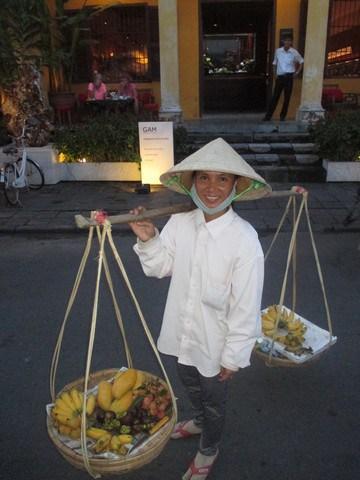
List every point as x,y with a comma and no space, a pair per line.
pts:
286,60
212,313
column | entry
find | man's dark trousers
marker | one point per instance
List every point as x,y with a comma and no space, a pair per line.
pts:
283,82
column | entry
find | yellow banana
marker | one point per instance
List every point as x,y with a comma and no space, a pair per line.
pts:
95,433
124,383
103,443
65,396
104,397
115,443
75,434
269,333
90,404
125,438
294,325
267,324
60,411
140,379
267,316
119,374
64,430
122,404
76,397
272,312
59,403
69,422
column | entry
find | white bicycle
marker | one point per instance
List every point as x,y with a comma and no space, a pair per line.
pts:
19,172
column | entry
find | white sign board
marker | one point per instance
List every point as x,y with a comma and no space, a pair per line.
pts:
156,150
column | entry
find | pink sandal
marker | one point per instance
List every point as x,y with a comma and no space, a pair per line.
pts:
180,432
199,472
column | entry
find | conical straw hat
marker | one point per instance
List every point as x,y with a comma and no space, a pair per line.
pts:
217,156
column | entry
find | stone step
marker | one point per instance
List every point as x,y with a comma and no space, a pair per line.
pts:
271,148
250,137
294,174
278,152
280,159
236,125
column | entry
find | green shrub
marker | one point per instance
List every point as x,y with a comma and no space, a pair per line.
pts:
181,140
338,136
104,138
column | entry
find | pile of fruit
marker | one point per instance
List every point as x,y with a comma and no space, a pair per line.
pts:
122,408
290,330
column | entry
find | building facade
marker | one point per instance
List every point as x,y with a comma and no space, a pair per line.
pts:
201,57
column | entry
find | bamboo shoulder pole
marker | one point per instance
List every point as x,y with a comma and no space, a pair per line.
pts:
84,222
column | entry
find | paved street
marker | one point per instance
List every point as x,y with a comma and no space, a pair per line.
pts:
282,424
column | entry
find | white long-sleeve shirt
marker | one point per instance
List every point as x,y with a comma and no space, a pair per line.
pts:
212,313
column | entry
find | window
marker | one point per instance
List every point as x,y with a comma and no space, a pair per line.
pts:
343,41
121,39
229,54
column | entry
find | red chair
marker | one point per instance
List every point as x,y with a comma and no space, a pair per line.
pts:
82,97
331,95
147,103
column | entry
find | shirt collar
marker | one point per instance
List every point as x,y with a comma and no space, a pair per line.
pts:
215,227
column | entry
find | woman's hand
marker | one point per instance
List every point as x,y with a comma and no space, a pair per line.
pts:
225,374
299,189
143,229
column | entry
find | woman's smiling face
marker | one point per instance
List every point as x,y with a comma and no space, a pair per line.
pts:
213,187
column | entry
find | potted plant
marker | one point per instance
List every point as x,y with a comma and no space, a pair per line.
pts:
22,99
338,139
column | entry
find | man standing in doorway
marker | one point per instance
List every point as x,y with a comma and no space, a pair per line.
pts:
288,63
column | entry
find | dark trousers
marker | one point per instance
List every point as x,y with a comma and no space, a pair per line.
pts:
283,83
208,400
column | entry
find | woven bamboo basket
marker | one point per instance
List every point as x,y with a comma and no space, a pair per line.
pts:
122,465
283,362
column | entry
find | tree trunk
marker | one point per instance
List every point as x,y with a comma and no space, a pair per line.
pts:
24,103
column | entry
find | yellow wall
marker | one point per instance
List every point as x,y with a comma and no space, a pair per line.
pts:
188,28
287,16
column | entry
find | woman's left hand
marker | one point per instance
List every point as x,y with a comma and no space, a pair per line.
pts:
225,374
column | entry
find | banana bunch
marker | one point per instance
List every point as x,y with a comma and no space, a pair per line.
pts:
290,331
106,441
67,412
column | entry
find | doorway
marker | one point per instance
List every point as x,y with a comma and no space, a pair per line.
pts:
235,57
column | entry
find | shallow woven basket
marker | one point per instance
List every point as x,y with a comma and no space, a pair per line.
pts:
283,362
122,465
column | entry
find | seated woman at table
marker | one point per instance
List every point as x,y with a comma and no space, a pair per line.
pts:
97,88
128,89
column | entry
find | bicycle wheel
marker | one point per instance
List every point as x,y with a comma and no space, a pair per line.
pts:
11,192
34,175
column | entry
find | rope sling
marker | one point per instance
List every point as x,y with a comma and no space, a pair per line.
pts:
291,260
104,234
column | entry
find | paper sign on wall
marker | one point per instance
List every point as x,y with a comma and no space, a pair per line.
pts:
156,150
